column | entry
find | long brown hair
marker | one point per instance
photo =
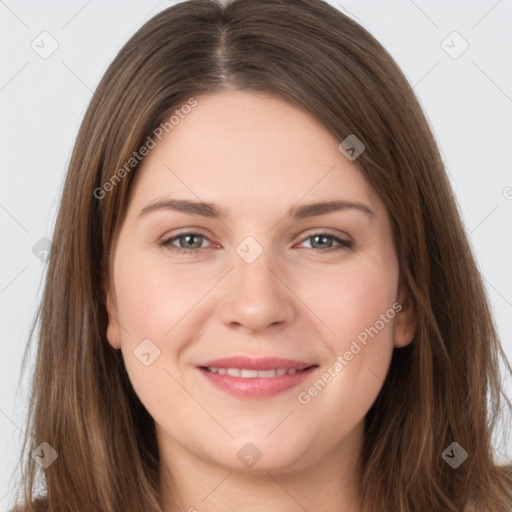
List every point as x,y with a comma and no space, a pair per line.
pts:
444,387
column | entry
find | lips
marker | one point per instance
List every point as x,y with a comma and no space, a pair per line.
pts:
250,378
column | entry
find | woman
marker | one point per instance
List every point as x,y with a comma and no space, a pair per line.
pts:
253,370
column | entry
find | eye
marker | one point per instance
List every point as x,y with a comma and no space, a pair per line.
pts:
321,238
192,244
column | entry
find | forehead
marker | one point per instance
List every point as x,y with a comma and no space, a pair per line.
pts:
249,149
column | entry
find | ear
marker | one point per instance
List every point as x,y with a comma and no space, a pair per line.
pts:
405,320
113,330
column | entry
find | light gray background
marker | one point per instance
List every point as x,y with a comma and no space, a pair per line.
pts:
468,101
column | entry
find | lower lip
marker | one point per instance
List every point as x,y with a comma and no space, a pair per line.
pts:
256,387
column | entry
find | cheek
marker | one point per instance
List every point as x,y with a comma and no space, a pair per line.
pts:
357,304
152,298
353,298
360,311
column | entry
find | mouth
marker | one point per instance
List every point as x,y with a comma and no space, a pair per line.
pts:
246,373
255,378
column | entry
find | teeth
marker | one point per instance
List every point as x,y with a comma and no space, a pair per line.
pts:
251,374
262,373
248,374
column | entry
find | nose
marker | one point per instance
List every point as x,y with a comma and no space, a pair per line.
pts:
259,295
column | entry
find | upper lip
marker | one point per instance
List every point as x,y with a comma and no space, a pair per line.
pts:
249,363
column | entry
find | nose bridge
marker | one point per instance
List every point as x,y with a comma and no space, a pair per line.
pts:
257,296
254,265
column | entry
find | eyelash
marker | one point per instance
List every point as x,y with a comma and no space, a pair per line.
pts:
344,244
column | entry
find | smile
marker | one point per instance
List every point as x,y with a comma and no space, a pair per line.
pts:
251,378
245,373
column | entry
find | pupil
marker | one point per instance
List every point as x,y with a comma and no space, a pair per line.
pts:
321,237
188,237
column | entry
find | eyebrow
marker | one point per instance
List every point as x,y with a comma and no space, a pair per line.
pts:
212,210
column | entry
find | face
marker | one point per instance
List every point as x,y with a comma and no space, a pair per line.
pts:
258,274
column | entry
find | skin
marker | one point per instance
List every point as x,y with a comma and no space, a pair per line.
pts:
255,156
